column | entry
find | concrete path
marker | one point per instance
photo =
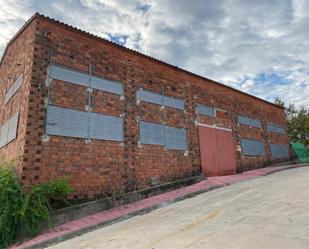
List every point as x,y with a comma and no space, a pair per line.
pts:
265,212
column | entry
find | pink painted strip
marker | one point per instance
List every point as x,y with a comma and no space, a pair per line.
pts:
127,209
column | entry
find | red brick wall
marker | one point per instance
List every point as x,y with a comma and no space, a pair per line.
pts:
105,166
18,59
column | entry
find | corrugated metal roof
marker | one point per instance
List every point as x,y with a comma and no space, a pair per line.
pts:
90,35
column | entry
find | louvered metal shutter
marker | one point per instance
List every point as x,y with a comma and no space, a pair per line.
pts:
205,110
275,128
171,137
13,124
173,102
13,89
8,95
175,138
279,150
75,77
243,120
150,97
106,85
4,134
252,147
0,136
249,121
157,98
255,123
105,127
68,75
151,133
66,122
18,83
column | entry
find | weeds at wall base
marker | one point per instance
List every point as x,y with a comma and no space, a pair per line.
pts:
25,209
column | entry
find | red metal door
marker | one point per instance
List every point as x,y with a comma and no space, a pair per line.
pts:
217,151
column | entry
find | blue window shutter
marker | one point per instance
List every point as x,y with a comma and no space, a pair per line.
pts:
249,121
68,75
150,97
105,127
107,85
205,110
173,102
74,123
13,124
14,88
80,78
66,122
175,138
157,98
1,137
279,151
18,83
252,147
171,137
151,133
243,120
8,131
8,95
256,123
275,128
4,134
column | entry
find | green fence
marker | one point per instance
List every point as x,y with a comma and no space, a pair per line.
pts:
301,152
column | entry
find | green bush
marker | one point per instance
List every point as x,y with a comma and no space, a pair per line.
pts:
25,210
11,201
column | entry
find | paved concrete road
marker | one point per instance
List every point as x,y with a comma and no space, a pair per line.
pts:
267,212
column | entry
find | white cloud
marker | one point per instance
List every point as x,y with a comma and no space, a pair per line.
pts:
234,42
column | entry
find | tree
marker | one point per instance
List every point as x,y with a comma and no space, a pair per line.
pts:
297,122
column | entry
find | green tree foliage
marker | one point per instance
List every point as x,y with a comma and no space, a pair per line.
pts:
297,122
25,209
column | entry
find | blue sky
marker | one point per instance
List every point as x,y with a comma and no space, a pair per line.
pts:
257,46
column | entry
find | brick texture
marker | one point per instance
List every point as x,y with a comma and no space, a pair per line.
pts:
18,60
101,167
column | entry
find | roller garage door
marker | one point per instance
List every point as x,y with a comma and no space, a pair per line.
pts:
217,151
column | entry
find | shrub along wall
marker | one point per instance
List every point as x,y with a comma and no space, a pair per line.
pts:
25,209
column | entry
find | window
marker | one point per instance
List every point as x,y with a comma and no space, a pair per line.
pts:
151,133
252,147
81,124
8,131
75,77
14,88
158,134
249,121
205,110
275,128
159,99
279,151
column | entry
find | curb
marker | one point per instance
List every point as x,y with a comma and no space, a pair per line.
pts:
65,215
296,166
90,228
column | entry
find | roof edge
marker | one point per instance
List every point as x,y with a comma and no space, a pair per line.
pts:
90,35
21,30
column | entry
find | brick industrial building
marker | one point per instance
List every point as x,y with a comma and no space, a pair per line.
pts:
115,119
